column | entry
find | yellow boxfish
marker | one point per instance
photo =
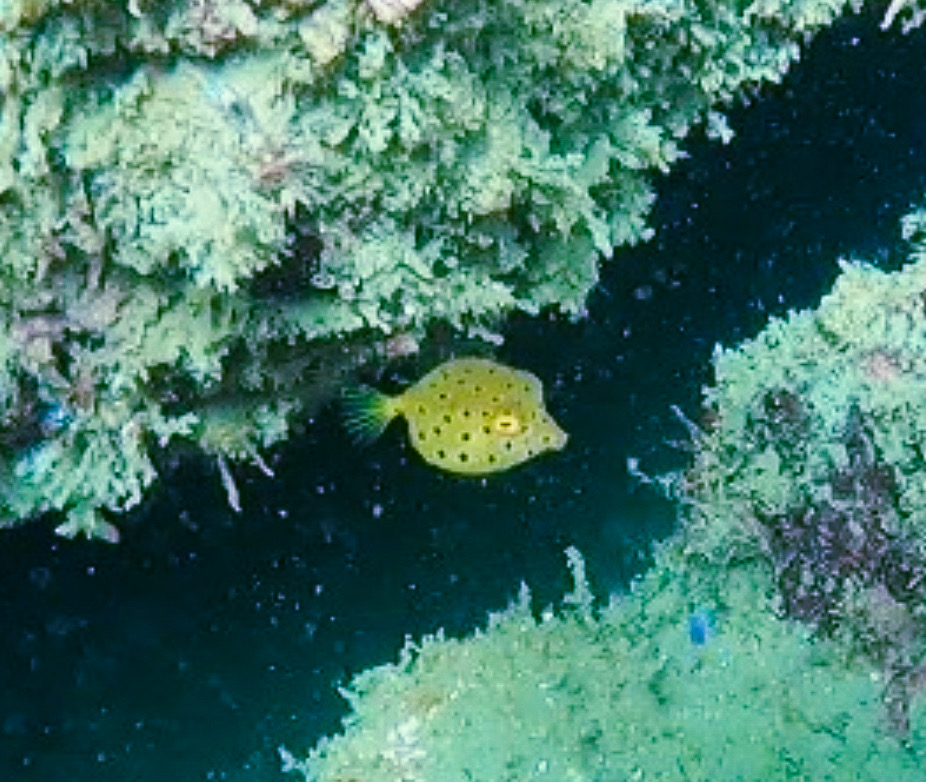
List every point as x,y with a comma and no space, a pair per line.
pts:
470,416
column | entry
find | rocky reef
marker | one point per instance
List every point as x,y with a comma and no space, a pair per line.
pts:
211,213
809,459
623,692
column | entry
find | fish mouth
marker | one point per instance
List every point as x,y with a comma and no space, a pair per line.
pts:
558,440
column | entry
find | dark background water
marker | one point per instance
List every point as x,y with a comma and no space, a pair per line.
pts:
206,639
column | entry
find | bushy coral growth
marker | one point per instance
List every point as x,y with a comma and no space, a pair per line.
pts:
627,694
199,199
812,461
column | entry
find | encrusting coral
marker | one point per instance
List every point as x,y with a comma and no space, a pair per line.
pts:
812,463
626,691
212,208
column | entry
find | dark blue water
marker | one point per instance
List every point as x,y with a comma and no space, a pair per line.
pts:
207,638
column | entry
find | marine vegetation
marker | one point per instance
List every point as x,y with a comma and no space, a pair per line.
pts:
623,693
811,461
470,416
212,212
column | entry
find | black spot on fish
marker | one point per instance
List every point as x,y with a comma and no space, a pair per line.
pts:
465,437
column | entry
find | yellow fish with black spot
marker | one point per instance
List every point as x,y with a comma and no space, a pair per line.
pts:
470,416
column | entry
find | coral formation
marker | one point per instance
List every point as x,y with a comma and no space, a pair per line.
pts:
211,211
811,461
623,693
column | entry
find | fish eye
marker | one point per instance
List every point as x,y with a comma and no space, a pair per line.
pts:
508,424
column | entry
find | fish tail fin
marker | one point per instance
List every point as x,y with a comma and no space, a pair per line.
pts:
367,413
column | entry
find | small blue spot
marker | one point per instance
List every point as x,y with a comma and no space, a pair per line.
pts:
702,626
